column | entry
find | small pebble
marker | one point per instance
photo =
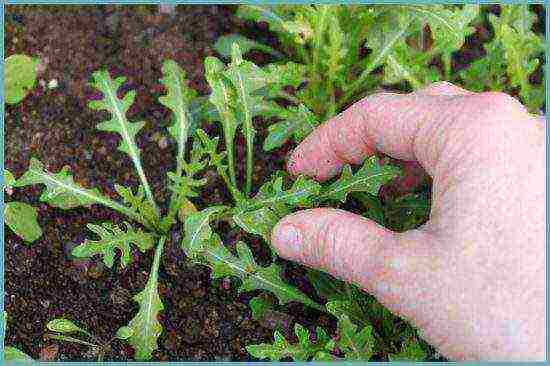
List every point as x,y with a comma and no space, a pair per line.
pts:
53,84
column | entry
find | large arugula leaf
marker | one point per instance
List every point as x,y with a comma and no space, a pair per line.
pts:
62,191
144,329
303,350
203,246
112,237
22,219
118,123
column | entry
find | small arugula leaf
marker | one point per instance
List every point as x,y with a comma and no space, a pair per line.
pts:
112,237
185,185
20,72
280,75
138,203
259,215
9,179
356,344
61,325
224,43
222,97
118,123
303,350
22,219
369,178
198,231
13,354
144,329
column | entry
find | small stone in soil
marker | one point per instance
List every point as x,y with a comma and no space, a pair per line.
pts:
49,353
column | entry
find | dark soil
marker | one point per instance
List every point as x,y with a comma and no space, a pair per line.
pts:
202,319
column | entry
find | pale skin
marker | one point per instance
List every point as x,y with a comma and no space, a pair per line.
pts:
472,279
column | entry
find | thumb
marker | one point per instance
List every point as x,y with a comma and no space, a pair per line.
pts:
397,268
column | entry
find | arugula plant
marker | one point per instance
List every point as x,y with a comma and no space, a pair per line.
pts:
345,51
239,90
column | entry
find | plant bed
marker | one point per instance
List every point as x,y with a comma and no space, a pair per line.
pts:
202,318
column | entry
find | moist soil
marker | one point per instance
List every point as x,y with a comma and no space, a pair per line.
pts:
202,319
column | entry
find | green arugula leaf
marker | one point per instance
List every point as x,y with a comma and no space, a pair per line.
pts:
144,329
178,99
118,123
22,219
246,79
521,47
20,72
198,231
224,43
254,277
139,203
368,179
222,97
297,122
356,344
259,215
113,237
303,350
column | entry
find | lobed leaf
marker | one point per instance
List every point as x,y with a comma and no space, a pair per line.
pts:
144,329
303,350
369,178
357,344
198,231
22,219
254,277
259,215
118,107
112,237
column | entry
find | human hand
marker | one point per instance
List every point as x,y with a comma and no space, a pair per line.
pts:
472,279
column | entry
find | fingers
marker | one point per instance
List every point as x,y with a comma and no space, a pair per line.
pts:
413,127
396,268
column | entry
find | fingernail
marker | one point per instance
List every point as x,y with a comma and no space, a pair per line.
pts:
288,240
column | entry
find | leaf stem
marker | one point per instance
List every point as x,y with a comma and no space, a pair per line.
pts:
71,339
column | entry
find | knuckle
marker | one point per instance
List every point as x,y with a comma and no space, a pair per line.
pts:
498,105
